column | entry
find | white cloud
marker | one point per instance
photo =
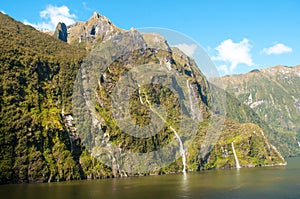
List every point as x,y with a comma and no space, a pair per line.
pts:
277,49
2,12
26,22
187,49
223,68
52,15
234,54
86,7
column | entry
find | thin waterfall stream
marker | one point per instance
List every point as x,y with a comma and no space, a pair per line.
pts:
181,150
235,157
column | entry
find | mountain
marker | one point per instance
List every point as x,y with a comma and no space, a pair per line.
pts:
87,34
37,73
51,130
273,93
247,141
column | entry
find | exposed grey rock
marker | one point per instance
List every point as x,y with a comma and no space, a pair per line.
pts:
97,29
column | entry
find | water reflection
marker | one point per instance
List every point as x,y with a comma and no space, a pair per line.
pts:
184,186
271,182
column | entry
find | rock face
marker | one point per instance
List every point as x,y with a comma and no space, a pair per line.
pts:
39,127
157,41
61,32
274,94
252,149
87,34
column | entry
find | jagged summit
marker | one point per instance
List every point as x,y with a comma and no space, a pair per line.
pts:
99,28
96,15
96,29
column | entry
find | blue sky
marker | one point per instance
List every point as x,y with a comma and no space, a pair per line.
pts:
238,35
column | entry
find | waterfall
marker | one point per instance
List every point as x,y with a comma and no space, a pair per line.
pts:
182,151
235,157
298,143
141,100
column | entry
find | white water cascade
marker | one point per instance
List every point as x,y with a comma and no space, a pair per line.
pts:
235,157
181,150
298,143
141,100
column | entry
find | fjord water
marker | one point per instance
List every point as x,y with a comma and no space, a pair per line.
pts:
268,182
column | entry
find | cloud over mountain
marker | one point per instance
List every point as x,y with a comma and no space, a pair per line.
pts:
51,16
277,49
233,54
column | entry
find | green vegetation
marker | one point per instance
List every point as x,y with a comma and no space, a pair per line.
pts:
36,82
38,142
252,148
273,93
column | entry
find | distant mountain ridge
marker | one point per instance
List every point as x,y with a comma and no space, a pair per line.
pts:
274,94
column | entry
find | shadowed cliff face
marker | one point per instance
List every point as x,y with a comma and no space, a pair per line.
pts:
273,93
41,139
61,32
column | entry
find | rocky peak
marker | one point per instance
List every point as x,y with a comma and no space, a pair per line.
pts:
95,15
87,34
61,32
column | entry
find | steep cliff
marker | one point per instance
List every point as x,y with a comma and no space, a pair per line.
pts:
42,138
61,32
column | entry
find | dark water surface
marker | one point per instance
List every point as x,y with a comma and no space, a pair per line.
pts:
269,182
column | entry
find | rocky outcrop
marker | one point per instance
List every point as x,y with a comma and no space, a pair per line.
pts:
156,41
96,30
61,32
